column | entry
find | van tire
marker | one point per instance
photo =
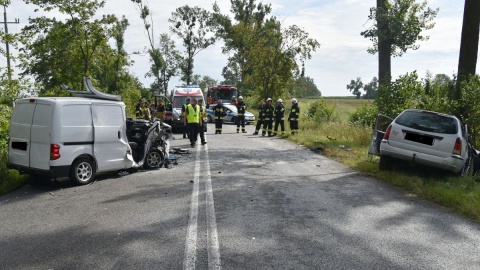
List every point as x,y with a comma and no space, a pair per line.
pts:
82,171
154,159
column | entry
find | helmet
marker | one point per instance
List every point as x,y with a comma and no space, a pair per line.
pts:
294,100
279,100
240,98
269,99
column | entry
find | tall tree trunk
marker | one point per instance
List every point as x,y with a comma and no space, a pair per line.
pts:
467,61
384,51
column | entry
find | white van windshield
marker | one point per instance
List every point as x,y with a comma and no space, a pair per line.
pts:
178,101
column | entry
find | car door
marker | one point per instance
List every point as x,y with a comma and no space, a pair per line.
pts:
381,125
110,141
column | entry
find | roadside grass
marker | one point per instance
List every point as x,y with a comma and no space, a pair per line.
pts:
9,179
348,144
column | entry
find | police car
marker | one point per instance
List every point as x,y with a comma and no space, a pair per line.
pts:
232,114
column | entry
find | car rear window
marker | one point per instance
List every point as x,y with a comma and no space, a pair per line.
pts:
428,121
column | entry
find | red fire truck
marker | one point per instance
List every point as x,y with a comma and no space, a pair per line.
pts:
224,92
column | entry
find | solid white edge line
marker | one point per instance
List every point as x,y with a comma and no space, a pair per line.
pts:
191,241
213,248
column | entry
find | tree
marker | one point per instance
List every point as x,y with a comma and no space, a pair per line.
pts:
171,57
304,87
156,58
194,27
397,26
355,87
469,44
58,52
237,35
371,89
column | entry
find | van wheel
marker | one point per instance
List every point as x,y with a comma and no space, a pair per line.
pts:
154,159
209,119
384,163
234,119
82,171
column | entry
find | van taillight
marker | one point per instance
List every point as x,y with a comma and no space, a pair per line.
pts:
457,149
54,151
387,133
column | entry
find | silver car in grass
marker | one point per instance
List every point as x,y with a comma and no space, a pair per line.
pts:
422,137
231,116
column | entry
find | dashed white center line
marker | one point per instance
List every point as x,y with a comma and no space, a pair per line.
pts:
213,249
191,243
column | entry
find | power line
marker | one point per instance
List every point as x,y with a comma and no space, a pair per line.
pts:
6,22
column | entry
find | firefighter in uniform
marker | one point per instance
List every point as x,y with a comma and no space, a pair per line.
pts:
145,111
241,108
160,110
138,109
260,117
185,126
268,118
220,112
193,120
203,117
293,116
279,117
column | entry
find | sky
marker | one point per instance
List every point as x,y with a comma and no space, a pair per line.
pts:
335,24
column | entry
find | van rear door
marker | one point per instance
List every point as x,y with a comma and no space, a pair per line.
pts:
110,141
40,138
20,125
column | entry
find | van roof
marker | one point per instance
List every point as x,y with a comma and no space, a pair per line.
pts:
66,100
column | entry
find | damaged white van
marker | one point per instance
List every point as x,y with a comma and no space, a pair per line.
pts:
70,136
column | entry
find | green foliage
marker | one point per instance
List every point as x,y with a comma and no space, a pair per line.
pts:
404,20
320,112
371,89
469,109
355,87
172,58
405,92
264,56
63,52
365,115
195,28
304,87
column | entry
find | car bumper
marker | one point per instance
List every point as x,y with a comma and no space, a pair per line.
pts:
54,172
450,163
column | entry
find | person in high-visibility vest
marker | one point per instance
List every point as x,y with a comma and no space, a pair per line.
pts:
160,110
193,119
145,111
203,126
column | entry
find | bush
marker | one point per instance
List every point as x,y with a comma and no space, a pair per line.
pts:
320,112
365,115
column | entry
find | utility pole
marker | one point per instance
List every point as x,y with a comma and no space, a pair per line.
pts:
6,41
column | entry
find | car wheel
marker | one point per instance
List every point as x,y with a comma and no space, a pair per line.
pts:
384,163
209,119
82,171
234,119
154,159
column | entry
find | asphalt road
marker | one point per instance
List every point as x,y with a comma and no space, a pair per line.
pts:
239,202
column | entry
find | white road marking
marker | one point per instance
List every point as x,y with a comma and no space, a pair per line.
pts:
191,242
212,236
